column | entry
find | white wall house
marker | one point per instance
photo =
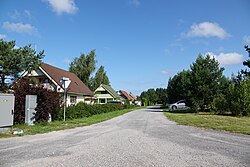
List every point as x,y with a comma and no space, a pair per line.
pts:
105,94
50,77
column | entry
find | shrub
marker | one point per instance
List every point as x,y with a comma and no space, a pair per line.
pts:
81,110
47,101
220,105
127,104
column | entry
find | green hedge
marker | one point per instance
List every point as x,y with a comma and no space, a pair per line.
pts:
81,110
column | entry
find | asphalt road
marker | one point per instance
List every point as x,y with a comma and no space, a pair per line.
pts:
140,138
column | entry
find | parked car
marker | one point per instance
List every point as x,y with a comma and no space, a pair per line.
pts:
178,105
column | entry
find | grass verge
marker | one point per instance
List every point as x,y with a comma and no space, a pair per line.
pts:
61,125
216,122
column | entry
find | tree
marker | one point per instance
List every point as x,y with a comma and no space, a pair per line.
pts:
236,98
247,62
162,95
149,97
206,76
153,98
84,66
15,60
100,78
179,87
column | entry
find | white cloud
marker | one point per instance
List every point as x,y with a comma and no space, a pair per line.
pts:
167,72
164,72
28,14
246,40
227,58
15,15
63,6
19,27
207,29
67,61
2,36
135,2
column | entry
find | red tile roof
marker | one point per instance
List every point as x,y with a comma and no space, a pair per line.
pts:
126,95
76,85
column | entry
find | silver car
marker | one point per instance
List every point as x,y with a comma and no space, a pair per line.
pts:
178,105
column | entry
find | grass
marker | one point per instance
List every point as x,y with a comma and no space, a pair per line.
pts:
211,121
61,125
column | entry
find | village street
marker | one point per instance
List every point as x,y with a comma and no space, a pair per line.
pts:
140,138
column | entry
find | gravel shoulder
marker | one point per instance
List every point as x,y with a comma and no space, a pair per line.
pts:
140,138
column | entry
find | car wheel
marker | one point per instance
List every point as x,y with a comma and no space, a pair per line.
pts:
174,107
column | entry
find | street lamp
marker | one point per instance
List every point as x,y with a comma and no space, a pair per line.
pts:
65,82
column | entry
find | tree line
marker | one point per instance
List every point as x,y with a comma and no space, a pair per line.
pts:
154,96
204,87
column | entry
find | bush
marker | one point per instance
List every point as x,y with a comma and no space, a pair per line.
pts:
47,101
81,110
220,105
127,104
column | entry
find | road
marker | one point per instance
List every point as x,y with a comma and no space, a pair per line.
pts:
140,138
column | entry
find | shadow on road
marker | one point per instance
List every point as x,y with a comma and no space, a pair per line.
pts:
154,109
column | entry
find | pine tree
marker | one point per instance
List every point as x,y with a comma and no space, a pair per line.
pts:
100,78
15,60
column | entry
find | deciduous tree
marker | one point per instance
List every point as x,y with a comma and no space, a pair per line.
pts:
84,66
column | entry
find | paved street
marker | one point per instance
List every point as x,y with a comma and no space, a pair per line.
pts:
140,138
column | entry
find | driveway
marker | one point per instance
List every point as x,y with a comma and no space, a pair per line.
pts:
140,138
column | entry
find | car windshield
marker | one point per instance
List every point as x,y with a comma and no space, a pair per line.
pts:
181,101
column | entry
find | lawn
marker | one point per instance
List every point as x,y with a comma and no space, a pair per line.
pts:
61,125
211,121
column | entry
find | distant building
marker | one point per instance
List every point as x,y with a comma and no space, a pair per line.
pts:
105,94
133,96
126,96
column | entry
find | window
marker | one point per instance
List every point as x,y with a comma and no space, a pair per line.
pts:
102,100
46,80
102,92
109,100
73,99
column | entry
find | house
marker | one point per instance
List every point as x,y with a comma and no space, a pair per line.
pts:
133,96
50,77
105,94
126,96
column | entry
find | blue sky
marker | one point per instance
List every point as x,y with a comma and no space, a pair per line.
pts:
141,43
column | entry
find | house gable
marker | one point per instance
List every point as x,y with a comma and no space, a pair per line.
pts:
54,75
105,93
125,95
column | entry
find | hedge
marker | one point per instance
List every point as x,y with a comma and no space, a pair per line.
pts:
81,110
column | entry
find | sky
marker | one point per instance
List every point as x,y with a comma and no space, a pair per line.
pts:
140,43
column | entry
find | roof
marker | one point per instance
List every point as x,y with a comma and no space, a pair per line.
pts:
133,96
111,91
76,85
126,95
